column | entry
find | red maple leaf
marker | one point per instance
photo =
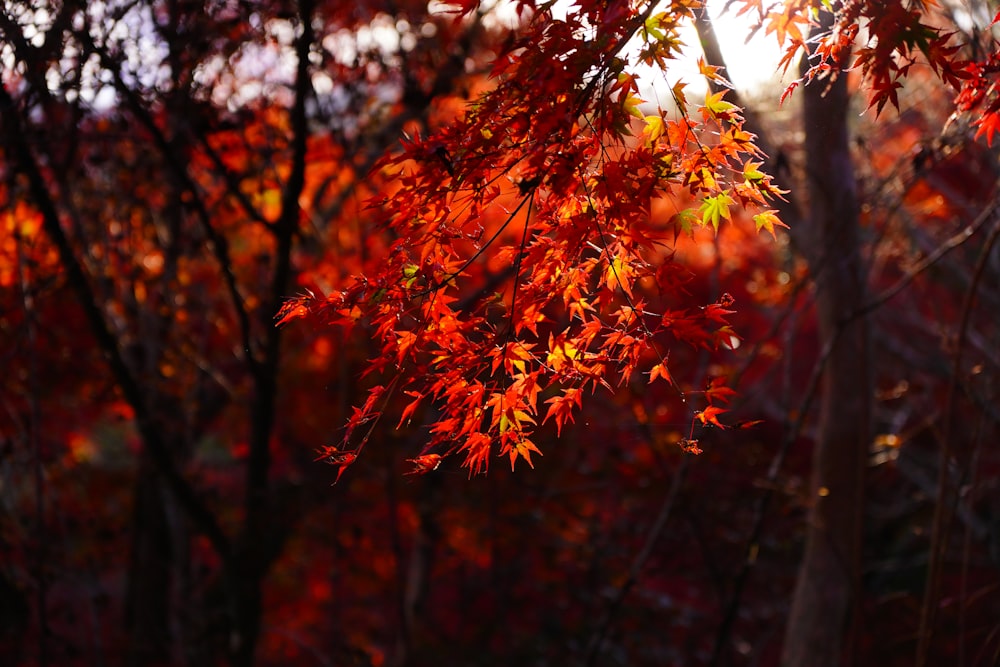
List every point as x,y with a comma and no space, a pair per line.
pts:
424,464
710,416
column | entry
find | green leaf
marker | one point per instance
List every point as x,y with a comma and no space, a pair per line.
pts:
718,107
685,221
715,208
652,28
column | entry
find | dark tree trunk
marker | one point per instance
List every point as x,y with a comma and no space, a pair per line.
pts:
825,601
15,618
246,615
147,602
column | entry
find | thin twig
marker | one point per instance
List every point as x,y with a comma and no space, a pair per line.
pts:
942,518
635,569
930,260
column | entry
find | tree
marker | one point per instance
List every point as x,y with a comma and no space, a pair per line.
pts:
420,330
826,610
534,240
827,596
159,206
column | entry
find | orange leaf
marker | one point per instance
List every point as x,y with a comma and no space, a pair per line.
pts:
710,416
768,220
561,407
424,464
523,448
690,446
659,371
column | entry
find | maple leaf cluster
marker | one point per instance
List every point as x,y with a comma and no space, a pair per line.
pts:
895,36
526,270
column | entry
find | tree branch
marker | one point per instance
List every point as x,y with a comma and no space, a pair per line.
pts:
944,509
266,376
200,515
217,241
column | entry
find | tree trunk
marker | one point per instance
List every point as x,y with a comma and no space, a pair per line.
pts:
825,602
246,614
15,618
147,602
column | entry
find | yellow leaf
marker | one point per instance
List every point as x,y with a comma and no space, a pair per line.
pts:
654,128
752,173
620,274
679,97
631,105
767,220
718,107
